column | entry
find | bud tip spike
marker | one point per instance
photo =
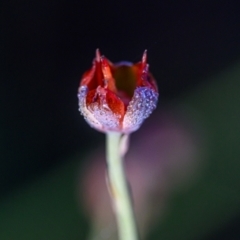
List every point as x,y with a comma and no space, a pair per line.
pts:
98,55
144,57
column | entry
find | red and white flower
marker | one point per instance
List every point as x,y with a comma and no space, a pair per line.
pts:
117,97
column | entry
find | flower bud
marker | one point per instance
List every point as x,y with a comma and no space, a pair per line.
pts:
117,97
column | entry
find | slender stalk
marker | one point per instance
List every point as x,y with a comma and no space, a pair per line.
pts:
119,189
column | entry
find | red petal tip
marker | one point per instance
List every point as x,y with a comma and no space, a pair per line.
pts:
98,55
144,57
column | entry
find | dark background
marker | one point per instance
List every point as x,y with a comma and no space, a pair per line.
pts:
47,45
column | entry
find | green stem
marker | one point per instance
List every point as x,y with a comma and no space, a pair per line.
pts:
119,190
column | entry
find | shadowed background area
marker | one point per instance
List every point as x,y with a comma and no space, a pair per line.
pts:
194,54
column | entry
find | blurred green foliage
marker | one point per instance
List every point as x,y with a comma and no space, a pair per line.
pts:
48,208
215,198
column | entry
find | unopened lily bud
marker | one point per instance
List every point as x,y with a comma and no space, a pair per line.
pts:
117,97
